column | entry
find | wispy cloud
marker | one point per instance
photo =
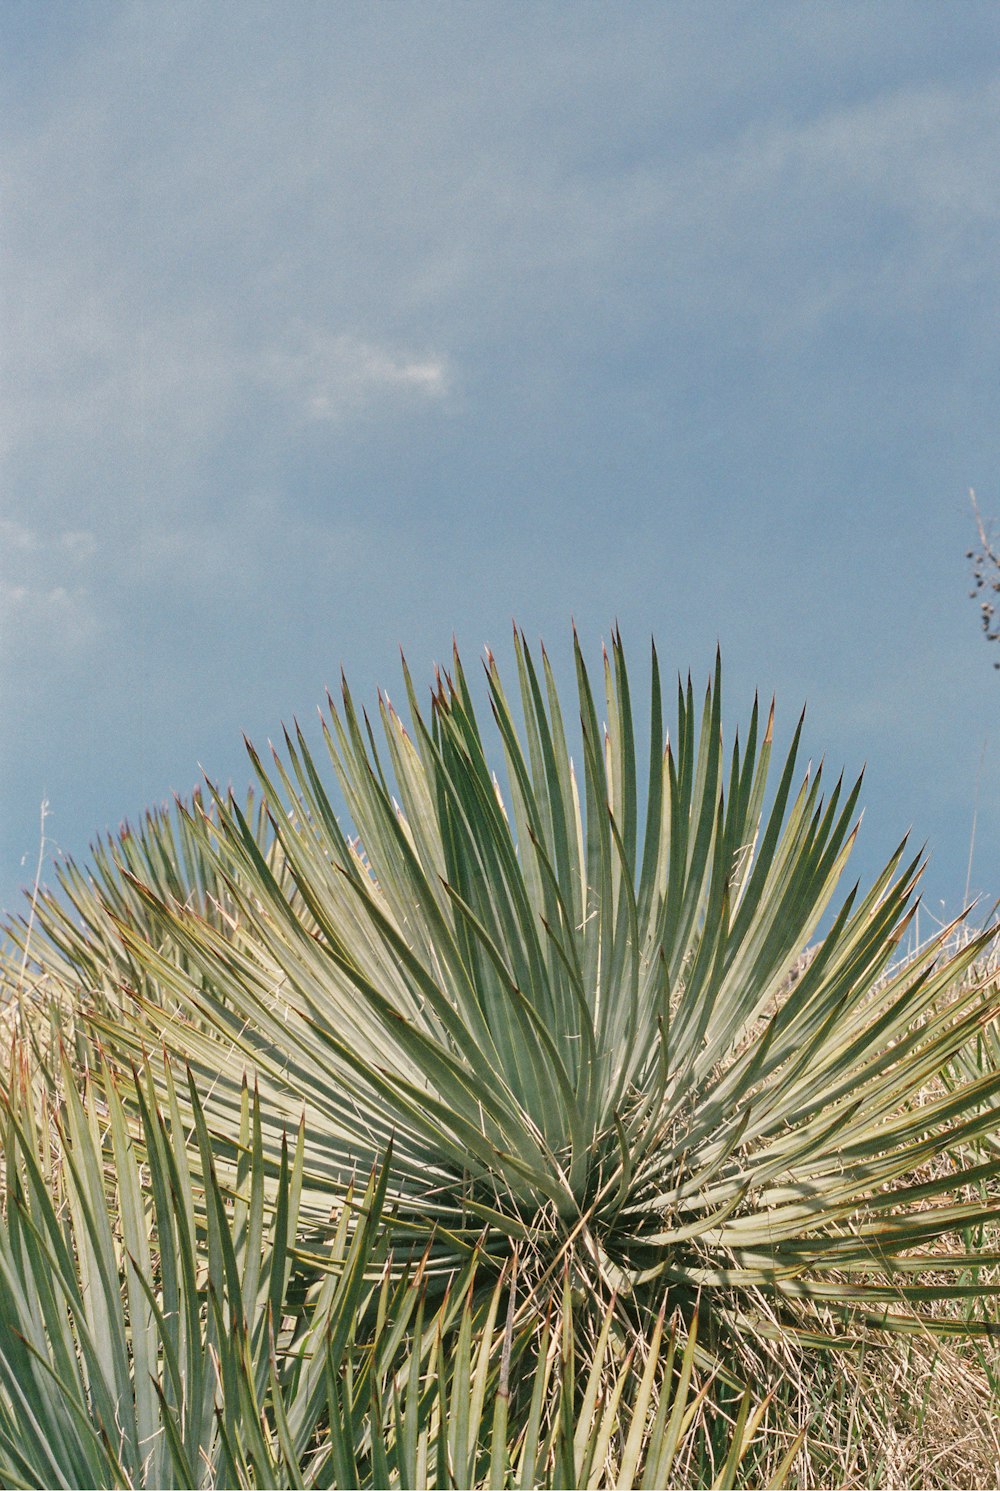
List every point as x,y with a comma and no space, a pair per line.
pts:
46,599
332,377
240,552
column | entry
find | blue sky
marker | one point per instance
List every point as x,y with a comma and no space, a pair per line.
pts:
334,327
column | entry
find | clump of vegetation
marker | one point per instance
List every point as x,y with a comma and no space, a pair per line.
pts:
641,1173
985,579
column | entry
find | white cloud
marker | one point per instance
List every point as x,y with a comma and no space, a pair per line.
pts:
334,377
881,204
46,599
16,538
78,544
37,620
243,549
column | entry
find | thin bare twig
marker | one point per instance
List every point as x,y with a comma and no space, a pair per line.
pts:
986,577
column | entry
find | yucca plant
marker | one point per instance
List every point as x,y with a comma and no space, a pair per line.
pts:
981,1056
139,1345
569,1004
152,1334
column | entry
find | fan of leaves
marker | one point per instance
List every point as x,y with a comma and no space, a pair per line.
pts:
153,1331
567,1005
